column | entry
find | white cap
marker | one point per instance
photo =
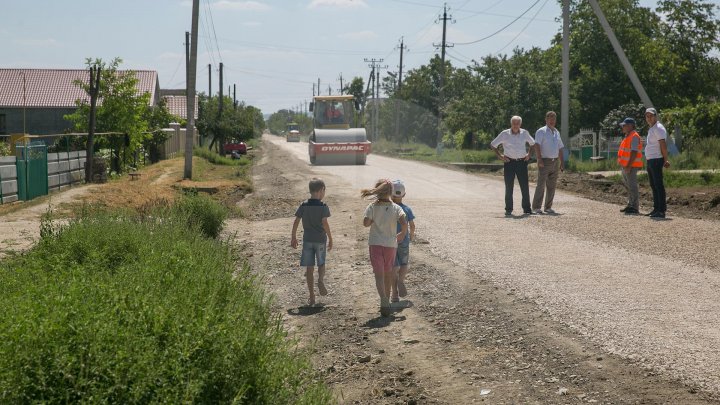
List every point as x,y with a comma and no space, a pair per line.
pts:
398,188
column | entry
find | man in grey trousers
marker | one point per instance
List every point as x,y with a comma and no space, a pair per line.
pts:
549,152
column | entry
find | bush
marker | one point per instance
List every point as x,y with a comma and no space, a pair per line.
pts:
115,310
217,159
202,213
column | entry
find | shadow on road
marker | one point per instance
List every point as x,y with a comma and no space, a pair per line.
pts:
307,310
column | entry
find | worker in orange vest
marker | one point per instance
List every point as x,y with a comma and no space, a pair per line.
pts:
630,160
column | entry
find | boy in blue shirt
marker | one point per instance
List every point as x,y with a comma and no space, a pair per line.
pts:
402,257
316,234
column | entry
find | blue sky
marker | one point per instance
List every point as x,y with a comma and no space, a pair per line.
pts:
272,50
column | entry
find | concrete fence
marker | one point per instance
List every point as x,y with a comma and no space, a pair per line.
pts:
65,169
175,144
8,179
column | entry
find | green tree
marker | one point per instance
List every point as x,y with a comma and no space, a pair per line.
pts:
121,110
239,123
157,117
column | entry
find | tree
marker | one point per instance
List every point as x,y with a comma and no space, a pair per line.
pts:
239,123
693,34
122,111
157,117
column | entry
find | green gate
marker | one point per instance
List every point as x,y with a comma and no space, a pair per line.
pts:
32,170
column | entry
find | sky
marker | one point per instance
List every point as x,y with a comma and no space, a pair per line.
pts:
272,50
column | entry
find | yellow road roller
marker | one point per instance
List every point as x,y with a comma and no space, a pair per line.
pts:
336,138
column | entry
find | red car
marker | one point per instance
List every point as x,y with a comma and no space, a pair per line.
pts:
239,147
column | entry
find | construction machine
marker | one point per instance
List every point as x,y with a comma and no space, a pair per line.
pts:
336,138
293,132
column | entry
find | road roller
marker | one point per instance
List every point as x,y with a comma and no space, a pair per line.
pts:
336,138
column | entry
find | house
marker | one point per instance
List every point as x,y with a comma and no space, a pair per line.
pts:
176,102
35,101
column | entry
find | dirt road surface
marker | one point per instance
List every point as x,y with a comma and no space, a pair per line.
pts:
587,306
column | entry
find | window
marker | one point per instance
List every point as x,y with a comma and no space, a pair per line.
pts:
3,128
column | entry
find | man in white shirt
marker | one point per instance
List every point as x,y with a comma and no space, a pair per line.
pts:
549,153
656,154
515,155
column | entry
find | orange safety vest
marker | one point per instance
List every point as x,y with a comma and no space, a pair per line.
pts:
624,151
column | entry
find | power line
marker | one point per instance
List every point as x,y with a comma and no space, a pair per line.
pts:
524,28
501,29
212,24
319,51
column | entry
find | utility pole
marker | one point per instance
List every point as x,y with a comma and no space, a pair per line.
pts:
209,80
397,90
341,84
441,89
221,102
190,93
329,90
565,87
318,86
313,90
235,103
375,65
621,54
90,145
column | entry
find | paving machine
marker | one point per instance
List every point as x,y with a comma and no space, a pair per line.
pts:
336,137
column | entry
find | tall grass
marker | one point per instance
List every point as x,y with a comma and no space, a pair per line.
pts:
119,309
217,159
674,179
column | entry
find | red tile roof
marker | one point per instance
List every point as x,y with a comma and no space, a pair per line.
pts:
177,106
55,87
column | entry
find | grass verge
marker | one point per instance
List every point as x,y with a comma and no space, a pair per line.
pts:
673,179
116,308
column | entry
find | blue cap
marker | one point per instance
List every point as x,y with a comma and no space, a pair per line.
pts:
628,121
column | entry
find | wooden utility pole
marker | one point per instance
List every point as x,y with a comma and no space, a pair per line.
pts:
209,80
341,84
235,103
90,145
190,93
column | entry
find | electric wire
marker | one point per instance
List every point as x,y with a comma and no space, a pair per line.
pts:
501,29
212,24
524,28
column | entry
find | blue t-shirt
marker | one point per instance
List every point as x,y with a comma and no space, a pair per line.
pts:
312,213
409,216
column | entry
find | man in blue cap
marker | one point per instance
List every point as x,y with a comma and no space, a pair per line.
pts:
630,161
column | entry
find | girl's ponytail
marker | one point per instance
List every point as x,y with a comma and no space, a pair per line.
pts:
383,189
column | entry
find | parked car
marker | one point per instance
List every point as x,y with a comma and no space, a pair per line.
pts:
239,147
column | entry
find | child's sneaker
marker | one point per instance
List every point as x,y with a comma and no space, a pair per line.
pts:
385,309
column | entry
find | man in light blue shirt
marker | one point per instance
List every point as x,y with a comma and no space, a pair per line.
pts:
549,152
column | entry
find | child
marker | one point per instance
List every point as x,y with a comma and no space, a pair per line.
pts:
382,216
403,251
316,232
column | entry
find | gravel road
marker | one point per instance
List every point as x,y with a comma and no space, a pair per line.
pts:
643,289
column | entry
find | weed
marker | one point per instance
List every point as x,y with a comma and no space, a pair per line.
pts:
115,310
217,159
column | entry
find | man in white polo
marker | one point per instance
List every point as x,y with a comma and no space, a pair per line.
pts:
549,153
515,155
656,154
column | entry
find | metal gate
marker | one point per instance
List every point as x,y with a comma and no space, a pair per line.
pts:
32,170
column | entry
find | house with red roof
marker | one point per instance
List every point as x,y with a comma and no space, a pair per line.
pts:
35,101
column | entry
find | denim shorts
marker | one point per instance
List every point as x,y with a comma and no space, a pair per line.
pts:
312,253
402,257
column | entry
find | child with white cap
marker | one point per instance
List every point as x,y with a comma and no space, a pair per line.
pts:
402,257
